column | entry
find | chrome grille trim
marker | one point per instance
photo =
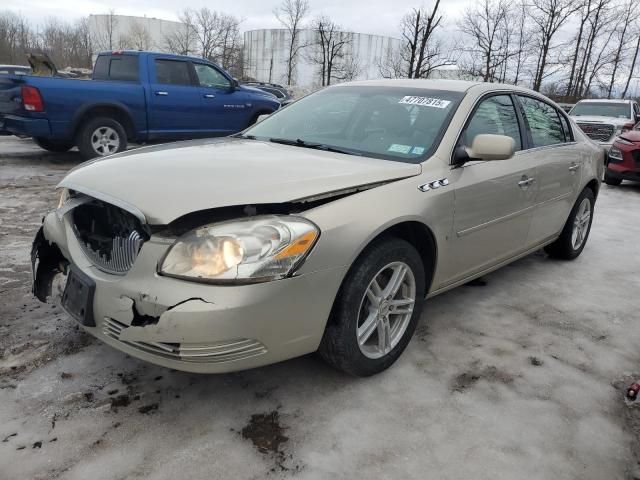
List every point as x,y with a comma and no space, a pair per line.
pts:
123,254
189,352
600,132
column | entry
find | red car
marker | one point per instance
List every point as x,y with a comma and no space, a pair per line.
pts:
624,159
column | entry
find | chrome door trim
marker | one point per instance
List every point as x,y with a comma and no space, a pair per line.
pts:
504,218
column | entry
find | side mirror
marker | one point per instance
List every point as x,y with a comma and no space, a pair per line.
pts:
262,117
234,84
491,147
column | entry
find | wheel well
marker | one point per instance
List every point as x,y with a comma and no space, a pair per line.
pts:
594,186
421,237
116,113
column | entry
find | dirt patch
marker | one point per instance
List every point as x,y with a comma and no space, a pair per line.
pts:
267,435
469,378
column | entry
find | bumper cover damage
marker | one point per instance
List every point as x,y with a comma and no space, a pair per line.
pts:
186,325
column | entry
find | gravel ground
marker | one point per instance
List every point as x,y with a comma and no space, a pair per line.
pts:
518,378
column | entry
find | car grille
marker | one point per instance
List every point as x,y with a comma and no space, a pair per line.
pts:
109,236
636,157
191,352
600,132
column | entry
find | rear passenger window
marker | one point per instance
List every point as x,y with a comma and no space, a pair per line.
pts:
497,116
544,122
172,72
124,68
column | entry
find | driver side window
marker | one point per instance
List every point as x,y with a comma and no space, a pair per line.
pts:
210,77
495,115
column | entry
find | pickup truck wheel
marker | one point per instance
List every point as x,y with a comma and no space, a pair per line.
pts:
574,235
52,145
100,137
376,310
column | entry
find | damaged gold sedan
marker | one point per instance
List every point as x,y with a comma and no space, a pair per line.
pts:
322,228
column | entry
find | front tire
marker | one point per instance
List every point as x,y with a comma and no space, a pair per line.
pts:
609,180
575,233
100,137
53,145
376,310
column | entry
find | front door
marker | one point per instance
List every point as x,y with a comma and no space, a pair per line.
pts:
493,199
558,165
174,100
223,108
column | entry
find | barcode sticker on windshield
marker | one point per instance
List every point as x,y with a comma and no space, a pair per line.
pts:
425,102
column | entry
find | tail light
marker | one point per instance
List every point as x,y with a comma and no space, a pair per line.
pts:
627,127
31,99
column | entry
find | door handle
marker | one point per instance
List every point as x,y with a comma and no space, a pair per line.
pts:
526,182
162,93
574,166
209,95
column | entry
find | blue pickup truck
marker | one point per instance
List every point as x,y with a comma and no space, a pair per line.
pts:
133,97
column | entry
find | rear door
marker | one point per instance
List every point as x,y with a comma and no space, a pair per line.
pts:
224,108
558,166
174,99
493,199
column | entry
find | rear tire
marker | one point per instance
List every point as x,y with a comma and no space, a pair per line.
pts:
575,233
101,136
609,180
372,323
53,145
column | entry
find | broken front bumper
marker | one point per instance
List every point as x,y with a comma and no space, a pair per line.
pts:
192,326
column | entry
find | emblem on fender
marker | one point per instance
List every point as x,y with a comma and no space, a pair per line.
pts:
425,187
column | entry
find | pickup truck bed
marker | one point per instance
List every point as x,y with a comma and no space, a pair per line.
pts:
133,96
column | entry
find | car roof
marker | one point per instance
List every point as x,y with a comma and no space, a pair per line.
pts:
16,66
449,85
604,100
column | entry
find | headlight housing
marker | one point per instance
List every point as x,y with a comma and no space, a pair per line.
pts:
615,154
254,250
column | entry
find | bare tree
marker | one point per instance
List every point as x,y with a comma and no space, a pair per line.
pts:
107,32
421,51
331,50
138,38
486,24
182,40
548,16
633,65
622,30
291,14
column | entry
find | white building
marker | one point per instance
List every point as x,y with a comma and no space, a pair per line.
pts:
112,32
266,53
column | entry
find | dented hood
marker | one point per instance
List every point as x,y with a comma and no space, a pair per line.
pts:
166,182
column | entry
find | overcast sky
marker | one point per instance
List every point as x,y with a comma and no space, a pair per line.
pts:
365,16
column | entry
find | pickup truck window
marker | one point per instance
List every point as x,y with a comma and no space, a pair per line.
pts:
116,67
172,72
210,77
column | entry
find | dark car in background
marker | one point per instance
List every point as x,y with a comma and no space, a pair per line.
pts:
280,92
133,96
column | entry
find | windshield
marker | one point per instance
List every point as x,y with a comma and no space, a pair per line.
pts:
602,109
393,123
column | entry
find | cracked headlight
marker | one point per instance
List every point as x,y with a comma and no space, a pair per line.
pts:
241,251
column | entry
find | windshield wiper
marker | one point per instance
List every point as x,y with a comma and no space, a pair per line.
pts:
316,146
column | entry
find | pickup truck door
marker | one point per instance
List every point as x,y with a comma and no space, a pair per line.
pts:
493,199
174,99
558,167
224,108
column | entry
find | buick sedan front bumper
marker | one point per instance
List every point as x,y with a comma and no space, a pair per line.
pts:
188,325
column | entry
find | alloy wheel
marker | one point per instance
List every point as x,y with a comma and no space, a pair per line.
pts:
386,309
105,141
581,224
